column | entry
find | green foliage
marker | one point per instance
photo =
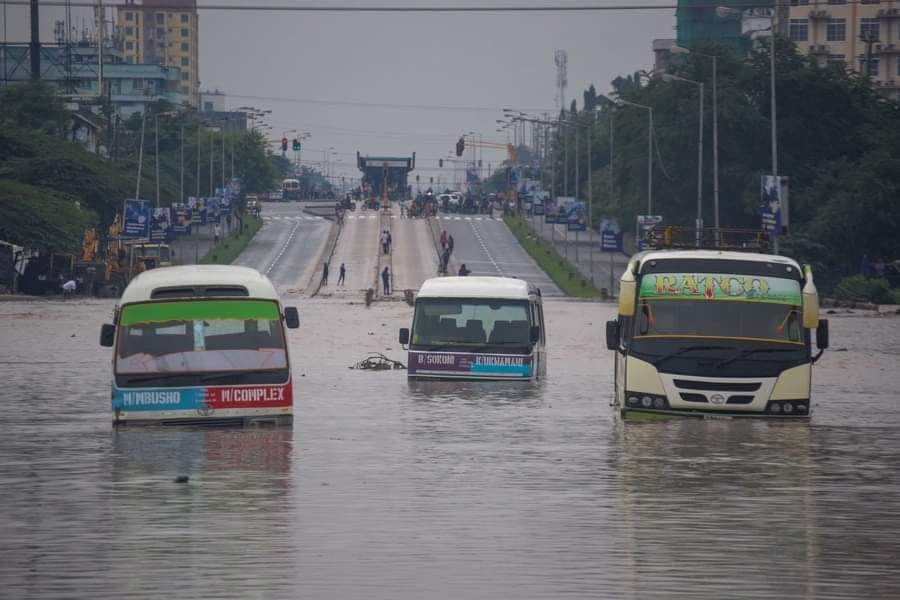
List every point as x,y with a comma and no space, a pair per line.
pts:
33,106
837,141
43,176
561,271
858,288
232,246
41,219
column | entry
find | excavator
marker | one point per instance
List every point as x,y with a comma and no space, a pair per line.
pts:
107,263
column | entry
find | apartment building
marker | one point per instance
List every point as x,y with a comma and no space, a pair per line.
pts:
840,31
165,33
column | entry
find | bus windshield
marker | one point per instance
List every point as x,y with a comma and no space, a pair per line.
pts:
200,336
704,305
471,323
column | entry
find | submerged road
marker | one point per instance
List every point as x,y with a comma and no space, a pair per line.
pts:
385,489
487,247
287,247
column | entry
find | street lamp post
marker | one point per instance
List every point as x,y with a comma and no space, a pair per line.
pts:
699,224
715,97
649,110
723,12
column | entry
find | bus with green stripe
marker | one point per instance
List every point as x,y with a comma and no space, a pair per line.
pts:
201,345
715,334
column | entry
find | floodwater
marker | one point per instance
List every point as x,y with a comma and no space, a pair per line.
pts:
384,489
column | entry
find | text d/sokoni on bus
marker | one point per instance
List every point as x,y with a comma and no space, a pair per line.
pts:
201,345
715,333
484,328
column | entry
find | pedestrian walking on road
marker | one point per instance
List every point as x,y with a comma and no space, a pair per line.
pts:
443,239
386,281
217,233
464,270
68,289
384,242
445,261
341,274
450,244
325,274
390,241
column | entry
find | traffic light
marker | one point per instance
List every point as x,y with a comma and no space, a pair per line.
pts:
461,146
284,144
296,145
441,163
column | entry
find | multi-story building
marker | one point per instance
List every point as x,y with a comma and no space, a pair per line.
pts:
700,22
166,33
74,71
863,34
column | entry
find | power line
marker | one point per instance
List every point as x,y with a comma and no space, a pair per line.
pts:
354,104
436,9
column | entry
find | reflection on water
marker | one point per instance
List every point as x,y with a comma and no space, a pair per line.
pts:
390,489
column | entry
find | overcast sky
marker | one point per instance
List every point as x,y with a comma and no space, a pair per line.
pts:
489,60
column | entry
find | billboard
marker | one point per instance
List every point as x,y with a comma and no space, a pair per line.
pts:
181,219
773,204
649,231
160,225
610,236
576,219
137,218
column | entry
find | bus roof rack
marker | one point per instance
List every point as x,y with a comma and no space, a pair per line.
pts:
710,238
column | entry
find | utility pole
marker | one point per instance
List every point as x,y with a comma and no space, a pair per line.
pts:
100,27
181,187
156,161
199,142
212,151
35,42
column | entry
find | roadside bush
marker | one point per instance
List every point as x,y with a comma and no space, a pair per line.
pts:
859,288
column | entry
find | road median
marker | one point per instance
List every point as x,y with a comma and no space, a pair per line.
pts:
232,245
561,271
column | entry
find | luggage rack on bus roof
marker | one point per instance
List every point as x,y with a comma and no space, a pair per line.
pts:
709,238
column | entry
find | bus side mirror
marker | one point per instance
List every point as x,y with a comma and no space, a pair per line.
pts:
612,335
404,336
822,334
291,317
535,334
107,335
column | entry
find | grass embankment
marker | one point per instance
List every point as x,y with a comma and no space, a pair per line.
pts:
234,244
563,273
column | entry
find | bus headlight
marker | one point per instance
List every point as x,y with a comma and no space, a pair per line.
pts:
788,408
646,401
775,408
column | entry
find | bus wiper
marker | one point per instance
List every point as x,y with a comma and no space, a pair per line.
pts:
659,361
749,351
145,378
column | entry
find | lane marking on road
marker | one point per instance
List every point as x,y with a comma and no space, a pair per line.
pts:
283,248
485,248
450,218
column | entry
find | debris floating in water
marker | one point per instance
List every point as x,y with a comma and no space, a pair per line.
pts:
378,362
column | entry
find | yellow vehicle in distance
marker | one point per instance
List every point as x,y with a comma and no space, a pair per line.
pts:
715,334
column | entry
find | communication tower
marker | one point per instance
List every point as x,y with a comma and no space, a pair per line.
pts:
561,58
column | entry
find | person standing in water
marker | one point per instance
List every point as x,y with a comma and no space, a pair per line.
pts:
386,281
